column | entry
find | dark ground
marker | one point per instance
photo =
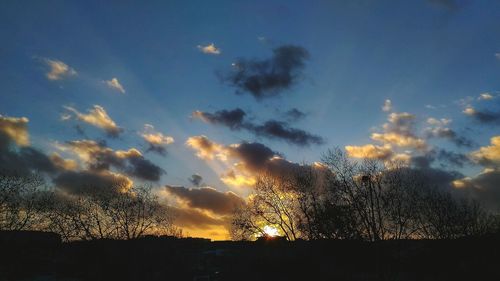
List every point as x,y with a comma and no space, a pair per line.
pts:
41,256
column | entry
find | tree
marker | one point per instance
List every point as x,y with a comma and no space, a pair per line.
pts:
18,195
272,205
123,215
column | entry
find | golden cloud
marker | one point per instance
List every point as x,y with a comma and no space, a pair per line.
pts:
488,155
400,140
58,70
115,85
205,148
155,138
15,129
98,117
209,49
369,151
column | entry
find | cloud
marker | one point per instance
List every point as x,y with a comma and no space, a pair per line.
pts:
438,129
387,107
400,140
195,179
16,156
272,129
15,129
58,70
98,157
209,49
370,151
484,116
294,115
280,130
207,198
482,187
438,122
266,78
98,117
115,85
157,141
195,219
497,56
233,119
92,182
399,131
488,156
446,158
205,148
485,96
63,164
243,162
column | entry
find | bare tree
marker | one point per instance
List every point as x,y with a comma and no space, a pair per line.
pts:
273,204
124,215
18,195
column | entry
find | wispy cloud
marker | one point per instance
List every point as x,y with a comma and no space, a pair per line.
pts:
58,70
98,117
210,49
273,129
115,85
387,106
157,141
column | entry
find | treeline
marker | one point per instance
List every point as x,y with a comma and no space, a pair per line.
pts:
26,203
339,198
368,200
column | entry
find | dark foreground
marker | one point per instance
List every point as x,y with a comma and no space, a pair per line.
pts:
41,256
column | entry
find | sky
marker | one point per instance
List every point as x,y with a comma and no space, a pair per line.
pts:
188,96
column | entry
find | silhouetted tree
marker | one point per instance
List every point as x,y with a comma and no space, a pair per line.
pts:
18,196
351,199
119,215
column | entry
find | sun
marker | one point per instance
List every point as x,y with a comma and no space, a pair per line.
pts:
270,231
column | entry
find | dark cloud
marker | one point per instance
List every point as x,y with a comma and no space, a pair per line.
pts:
487,117
256,159
434,177
144,169
233,119
294,115
20,160
454,159
161,150
484,187
280,130
264,78
254,155
446,158
91,182
272,129
207,198
99,157
450,134
195,179
80,131
24,161
194,218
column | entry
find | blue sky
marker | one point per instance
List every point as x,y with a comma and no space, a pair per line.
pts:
424,56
